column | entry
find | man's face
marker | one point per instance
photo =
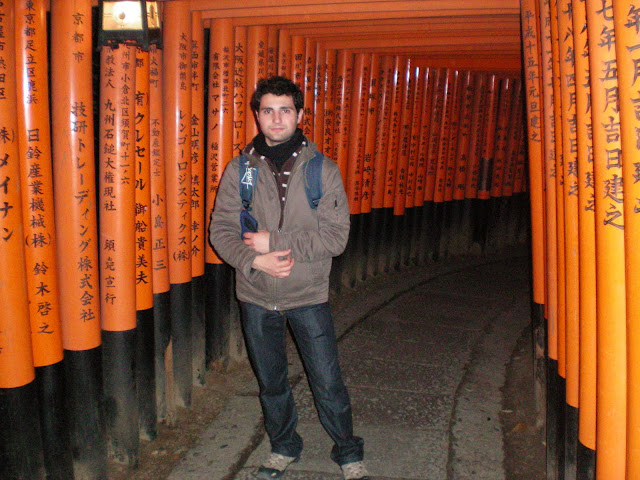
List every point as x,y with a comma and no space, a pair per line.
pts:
278,118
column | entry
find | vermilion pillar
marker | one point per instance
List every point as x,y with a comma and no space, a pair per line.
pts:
145,338
569,175
76,232
177,150
21,446
198,220
159,240
117,177
329,103
610,257
39,232
379,217
627,61
219,152
587,229
256,68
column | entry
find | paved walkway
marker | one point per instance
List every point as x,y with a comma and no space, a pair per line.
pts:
423,354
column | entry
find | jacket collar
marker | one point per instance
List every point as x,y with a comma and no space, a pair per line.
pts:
304,154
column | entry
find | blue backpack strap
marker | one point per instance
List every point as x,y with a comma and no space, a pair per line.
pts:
313,180
247,178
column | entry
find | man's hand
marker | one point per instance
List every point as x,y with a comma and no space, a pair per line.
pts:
277,264
258,241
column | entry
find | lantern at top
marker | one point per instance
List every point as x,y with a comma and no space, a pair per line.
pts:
130,23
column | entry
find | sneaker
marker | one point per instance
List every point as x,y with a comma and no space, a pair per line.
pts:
274,466
355,471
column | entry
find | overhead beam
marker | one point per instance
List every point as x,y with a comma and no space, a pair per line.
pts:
324,10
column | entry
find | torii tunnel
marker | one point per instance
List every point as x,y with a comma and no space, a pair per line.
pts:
459,127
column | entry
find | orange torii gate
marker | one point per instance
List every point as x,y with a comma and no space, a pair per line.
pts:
402,168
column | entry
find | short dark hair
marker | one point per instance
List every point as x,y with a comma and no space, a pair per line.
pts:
277,85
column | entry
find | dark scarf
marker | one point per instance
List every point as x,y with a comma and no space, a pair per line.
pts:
278,154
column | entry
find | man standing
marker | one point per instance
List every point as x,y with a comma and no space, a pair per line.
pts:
282,274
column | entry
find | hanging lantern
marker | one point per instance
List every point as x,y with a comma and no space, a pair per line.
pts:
130,23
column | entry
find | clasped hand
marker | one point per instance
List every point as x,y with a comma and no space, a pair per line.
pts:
276,264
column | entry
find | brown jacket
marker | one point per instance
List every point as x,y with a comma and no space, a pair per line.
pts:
314,236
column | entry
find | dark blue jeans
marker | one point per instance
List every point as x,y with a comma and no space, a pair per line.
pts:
312,327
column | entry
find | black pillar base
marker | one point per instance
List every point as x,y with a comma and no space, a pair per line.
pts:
162,335
586,468
217,311
146,374
83,377
21,455
198,330
121,396
570,442
182,342
56,441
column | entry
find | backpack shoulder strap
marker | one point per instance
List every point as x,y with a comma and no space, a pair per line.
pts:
247,178
313,180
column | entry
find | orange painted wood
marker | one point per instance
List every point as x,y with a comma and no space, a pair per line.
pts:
284,53
37,181
424,134
395,123
454,129
437,107
177,137
452,45
332,10
342,108
475,140
198,139
464,134
272,50
436,26
520,180
159,239
117,175
406,115
317,99
220,112
488,138
142,194
432,7
532,69
385,80
256,62
570,183
549,151
626,26
309,82
559,181
417,96
444,135
74,174
241,97
586,233
515,134
506,116
611,310
297,60
371,126
358,127
16,360
330,66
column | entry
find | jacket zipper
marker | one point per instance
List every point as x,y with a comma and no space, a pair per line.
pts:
281,222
